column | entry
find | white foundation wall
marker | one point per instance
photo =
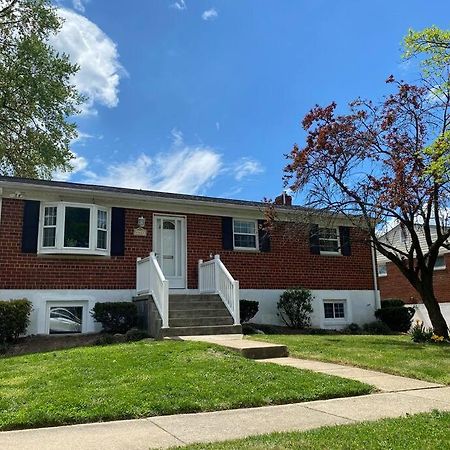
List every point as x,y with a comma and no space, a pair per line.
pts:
360,306
422,314
42,299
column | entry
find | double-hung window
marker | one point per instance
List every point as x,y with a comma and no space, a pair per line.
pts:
245,234
74,228
329,240
334,309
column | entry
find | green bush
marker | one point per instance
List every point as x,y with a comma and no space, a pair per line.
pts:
248,309
115,317
295,307
14,319
353,328
135,334
419,333
376,327
395,315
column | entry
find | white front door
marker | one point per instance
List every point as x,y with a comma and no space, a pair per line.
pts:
169,244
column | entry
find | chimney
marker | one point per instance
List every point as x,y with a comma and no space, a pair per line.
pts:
283,199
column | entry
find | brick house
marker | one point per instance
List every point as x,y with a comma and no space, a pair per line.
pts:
393,284
66,246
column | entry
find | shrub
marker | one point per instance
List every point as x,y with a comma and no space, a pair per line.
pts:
14,319
376,327
419,333
295,307
115,317
248,309
135,334
353,328
395,315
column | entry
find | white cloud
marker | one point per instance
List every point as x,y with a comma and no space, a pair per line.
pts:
210,14
79,5
78,163
246,167
180,5
96,54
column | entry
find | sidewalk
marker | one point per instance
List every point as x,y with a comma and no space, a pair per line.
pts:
399,396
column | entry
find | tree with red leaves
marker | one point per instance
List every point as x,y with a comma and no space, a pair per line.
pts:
386,163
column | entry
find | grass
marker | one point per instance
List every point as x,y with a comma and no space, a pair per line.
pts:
392,354
422,431
147,379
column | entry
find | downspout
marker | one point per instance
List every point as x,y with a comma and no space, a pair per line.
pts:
376,294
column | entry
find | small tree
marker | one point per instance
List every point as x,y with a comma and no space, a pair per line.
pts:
295,307
36,93
387,162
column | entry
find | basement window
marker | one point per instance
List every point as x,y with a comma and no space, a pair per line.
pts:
334,309
74,228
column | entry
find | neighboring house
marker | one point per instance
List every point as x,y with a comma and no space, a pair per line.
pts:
66,246
393,284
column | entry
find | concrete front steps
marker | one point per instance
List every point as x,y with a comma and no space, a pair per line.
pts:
197,315
248,349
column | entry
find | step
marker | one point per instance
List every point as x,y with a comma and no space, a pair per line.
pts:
192,313
181,304
194,297
197,331
200,321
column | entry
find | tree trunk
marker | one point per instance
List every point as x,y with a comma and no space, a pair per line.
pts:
434,311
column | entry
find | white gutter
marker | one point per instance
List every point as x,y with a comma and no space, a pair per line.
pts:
376,293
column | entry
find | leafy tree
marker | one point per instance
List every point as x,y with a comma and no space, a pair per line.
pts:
36,95
388,162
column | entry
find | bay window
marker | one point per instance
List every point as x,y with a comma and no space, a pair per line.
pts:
74,228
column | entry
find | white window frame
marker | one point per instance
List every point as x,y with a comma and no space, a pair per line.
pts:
335,319
60,227
247,249
338,239
65,304
440,267
382,273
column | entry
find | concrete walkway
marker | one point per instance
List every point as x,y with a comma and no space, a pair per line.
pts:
167,431
399,396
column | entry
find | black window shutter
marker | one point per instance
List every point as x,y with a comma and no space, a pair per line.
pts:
227,233
30,226
314,239
117,231
344,237
263,236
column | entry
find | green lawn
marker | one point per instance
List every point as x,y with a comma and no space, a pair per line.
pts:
391,354
146,379
422,431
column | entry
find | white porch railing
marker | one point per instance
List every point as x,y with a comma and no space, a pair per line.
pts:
151,280
213,277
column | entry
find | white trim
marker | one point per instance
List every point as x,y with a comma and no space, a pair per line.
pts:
60,227
335,320
183,249
247,249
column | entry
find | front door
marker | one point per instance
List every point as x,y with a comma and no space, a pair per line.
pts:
169,244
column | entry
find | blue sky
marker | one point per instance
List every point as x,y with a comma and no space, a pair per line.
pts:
205,96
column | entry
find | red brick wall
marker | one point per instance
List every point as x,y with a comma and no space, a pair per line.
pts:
395,285
288,264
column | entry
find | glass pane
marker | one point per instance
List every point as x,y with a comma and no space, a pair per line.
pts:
329,246
339,310
328,233
440,262
101,219
241,226
65,319
76,229
328,309
168,225
50,216
101,239
49,237
245,240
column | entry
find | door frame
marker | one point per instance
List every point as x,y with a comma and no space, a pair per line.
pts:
183,243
